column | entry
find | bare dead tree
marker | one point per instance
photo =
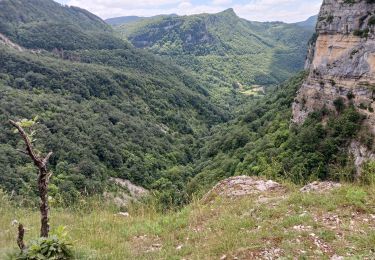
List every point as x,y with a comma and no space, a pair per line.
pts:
43,177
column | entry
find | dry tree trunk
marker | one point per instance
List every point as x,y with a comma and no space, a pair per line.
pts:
43,178
21,234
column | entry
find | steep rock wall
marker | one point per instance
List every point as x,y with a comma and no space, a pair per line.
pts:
341,60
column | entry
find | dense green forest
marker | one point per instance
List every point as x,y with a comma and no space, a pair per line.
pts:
229,54
107,109
101,120
43,24
263,142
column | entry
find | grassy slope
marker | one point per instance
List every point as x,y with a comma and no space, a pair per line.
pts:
342,221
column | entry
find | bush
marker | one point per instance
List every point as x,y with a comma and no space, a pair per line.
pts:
54,247
368,173
356,197
339,104
371,21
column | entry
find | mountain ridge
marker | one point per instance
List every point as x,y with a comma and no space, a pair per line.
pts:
309,22
230,54
44,24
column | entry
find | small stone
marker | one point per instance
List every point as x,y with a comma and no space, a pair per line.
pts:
179,247
320,186
224,257
123,214
302,228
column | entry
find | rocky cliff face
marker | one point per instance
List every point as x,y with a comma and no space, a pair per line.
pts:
341,60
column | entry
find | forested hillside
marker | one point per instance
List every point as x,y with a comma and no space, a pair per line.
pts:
103,112
263,142
186,137
231,55
130,19
116,111
99,120
48,25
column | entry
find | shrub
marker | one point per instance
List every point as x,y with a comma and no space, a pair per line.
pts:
350,95
339,104
356,197
362,33
368,173
54,247
371,21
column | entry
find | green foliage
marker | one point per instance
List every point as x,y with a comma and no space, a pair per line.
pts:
45,24
371,21
362,33
339,104
356,197
232,225
28,124
223,49
262,142
110,110
126,114
55,247
368,173
107,109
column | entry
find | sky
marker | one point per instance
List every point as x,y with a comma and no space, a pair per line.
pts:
254,10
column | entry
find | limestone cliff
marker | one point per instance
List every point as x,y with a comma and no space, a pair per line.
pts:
341,60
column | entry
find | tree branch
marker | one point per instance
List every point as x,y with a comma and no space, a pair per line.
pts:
29,147
45,160
43,180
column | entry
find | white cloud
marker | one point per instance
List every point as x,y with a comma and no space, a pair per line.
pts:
221,2
278,10
124,4
185,5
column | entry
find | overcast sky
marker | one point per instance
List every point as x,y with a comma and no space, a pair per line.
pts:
254,10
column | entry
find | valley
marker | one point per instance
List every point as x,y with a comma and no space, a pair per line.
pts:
224,50
202,136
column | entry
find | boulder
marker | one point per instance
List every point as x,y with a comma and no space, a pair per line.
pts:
241,186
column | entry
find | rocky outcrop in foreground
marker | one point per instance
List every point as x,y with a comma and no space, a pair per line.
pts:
240,186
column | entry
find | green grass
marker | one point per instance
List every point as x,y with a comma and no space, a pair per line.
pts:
240,228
